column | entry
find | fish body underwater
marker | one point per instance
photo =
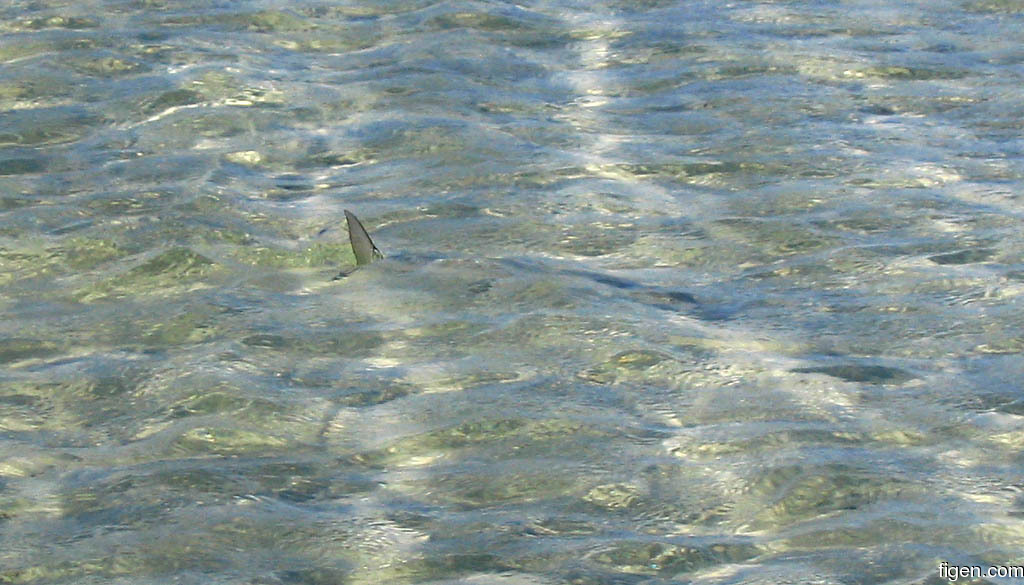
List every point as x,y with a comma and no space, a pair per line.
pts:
366,252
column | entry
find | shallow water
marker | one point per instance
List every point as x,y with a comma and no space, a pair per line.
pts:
675,292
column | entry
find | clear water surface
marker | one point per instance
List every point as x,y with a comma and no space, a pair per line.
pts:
676,292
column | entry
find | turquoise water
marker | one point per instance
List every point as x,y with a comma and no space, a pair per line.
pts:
675,292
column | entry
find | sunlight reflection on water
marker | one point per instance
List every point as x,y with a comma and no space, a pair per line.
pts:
672,291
